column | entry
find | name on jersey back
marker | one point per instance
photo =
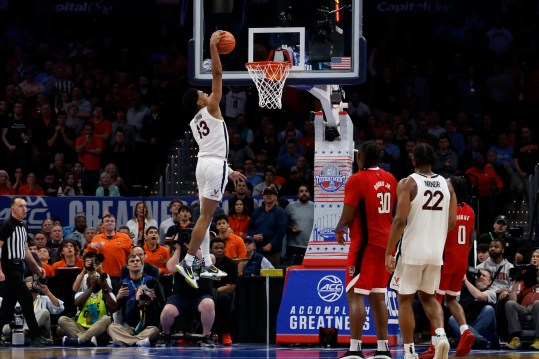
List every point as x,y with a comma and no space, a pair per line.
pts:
380,184
432,184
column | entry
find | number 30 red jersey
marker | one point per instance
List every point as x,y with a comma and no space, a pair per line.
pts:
373,193
457,243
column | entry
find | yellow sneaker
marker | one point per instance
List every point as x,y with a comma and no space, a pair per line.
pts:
535,344
514,343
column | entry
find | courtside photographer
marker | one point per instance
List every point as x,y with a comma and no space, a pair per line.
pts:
523,300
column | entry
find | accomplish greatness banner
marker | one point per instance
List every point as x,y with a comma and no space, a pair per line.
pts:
65,208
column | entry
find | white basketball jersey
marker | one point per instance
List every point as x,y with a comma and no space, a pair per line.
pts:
424,236
211,135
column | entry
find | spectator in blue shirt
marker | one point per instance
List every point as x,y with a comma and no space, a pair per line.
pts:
267,227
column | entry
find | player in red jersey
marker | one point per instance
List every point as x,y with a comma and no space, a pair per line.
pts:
457,247
369,199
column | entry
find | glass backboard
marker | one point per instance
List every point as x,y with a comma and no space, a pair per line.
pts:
322,38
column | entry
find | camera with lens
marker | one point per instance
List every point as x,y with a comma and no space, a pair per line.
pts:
184,236
524,272
97,260
150,285
103,276
473,273
37,283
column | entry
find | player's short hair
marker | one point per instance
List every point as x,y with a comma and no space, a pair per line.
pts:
459,186
424,155
372,154
189,100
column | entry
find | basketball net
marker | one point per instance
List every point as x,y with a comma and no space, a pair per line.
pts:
269,78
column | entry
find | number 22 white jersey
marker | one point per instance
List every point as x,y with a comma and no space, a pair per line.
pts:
210,134
425,233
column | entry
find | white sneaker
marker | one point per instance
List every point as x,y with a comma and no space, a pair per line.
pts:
143,343
411,356
442,348
212,272
93,341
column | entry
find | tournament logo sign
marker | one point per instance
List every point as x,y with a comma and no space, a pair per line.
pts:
330,179
330,288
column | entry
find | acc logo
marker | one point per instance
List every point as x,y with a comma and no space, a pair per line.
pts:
38,210
330,179
325,233
330,288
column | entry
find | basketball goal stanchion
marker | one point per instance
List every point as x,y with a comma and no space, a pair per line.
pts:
269,78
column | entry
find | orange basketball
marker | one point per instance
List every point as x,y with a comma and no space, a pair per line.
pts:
226,44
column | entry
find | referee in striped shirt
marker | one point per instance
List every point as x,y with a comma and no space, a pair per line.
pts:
13,251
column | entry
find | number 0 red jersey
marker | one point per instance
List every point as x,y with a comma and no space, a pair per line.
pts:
373,193
457,243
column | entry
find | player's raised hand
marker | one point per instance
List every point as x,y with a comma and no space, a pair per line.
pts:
236,176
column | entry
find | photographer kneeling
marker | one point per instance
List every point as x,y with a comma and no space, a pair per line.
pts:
140,304
45,304
478,300
95,305
523,300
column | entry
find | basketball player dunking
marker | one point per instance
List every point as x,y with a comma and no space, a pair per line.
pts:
212,171
426,211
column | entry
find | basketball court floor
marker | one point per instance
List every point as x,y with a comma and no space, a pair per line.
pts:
237,351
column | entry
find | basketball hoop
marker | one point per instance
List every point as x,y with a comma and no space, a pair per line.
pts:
269,78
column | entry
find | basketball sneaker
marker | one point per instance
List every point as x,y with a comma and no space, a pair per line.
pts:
226,339
381,354
188,273
465,343
212,272
206,341
442,348
429,353
411,356
352,355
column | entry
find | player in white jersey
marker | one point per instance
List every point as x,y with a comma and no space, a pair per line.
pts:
426,211
212,172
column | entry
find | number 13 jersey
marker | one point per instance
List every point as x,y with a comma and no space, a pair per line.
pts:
424,236
210,134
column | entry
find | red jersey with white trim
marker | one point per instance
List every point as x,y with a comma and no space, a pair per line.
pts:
457,244
372,192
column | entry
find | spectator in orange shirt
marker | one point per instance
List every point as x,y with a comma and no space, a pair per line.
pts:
235,246
44,257
89,148
113,245
487,184
238,218
67,256
156,254
31,188
102,126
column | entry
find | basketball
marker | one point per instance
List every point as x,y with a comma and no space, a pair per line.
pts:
226,44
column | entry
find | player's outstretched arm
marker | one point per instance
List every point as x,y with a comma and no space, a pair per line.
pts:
217,76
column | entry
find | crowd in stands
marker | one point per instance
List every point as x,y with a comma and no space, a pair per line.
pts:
73,109
102,275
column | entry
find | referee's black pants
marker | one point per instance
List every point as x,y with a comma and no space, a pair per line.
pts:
15,290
